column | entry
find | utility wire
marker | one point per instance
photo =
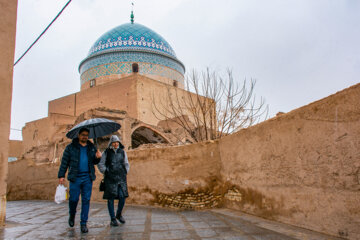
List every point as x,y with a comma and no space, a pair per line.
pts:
43,32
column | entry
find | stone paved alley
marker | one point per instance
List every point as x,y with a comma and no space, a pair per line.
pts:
47,220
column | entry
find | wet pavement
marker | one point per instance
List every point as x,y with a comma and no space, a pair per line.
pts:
47,220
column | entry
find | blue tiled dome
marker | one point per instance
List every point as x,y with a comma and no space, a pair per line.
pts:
115,52
132,36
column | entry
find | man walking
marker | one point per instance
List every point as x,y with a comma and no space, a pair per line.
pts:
79,157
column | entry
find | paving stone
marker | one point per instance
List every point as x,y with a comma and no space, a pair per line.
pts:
200,225
174,234
205,233
47,220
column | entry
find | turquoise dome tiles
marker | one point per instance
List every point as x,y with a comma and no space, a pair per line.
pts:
133,56
132,36
117,49
126,67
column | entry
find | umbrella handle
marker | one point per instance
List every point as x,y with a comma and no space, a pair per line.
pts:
95,141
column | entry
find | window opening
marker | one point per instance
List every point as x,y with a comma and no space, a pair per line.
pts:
135,67
92,82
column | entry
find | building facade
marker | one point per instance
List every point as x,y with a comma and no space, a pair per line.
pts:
127,71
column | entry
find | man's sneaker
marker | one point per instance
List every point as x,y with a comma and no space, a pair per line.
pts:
114,223
120,218
71,220
84,229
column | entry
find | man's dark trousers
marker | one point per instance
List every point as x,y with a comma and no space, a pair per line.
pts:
83,186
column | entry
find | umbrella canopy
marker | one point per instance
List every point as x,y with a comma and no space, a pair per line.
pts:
98,127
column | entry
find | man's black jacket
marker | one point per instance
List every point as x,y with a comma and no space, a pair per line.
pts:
71,158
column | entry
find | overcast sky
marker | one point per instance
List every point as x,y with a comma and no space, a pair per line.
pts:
299,51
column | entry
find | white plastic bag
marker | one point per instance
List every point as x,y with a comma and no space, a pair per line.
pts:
60,195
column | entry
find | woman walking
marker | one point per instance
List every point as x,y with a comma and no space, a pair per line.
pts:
114,165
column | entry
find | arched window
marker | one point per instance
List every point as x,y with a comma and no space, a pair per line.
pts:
175,83
92,83
135,67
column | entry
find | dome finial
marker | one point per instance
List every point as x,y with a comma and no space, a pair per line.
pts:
132,13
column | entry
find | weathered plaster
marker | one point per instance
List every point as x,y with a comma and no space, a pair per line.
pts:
7,46
300,168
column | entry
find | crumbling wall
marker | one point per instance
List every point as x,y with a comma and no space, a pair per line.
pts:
301,168
168,177
45,131
15,148
159,175
28,180
44,140
185,177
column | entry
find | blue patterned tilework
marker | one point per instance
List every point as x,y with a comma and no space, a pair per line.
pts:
126,67
132,36
132,56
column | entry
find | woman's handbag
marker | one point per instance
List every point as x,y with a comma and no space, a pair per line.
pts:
102,186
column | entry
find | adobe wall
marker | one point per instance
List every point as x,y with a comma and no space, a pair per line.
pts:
157,176
7,45
28,180
301,168
146,89
133,94
105,80
15,148
43,131
36,133
64,105
115,77
165,80
119,116
44,139
152,95
120,94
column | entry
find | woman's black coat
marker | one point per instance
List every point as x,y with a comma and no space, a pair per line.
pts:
115,174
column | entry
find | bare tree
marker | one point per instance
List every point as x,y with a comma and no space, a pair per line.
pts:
210,106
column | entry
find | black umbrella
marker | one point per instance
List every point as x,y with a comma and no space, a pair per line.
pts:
98,127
